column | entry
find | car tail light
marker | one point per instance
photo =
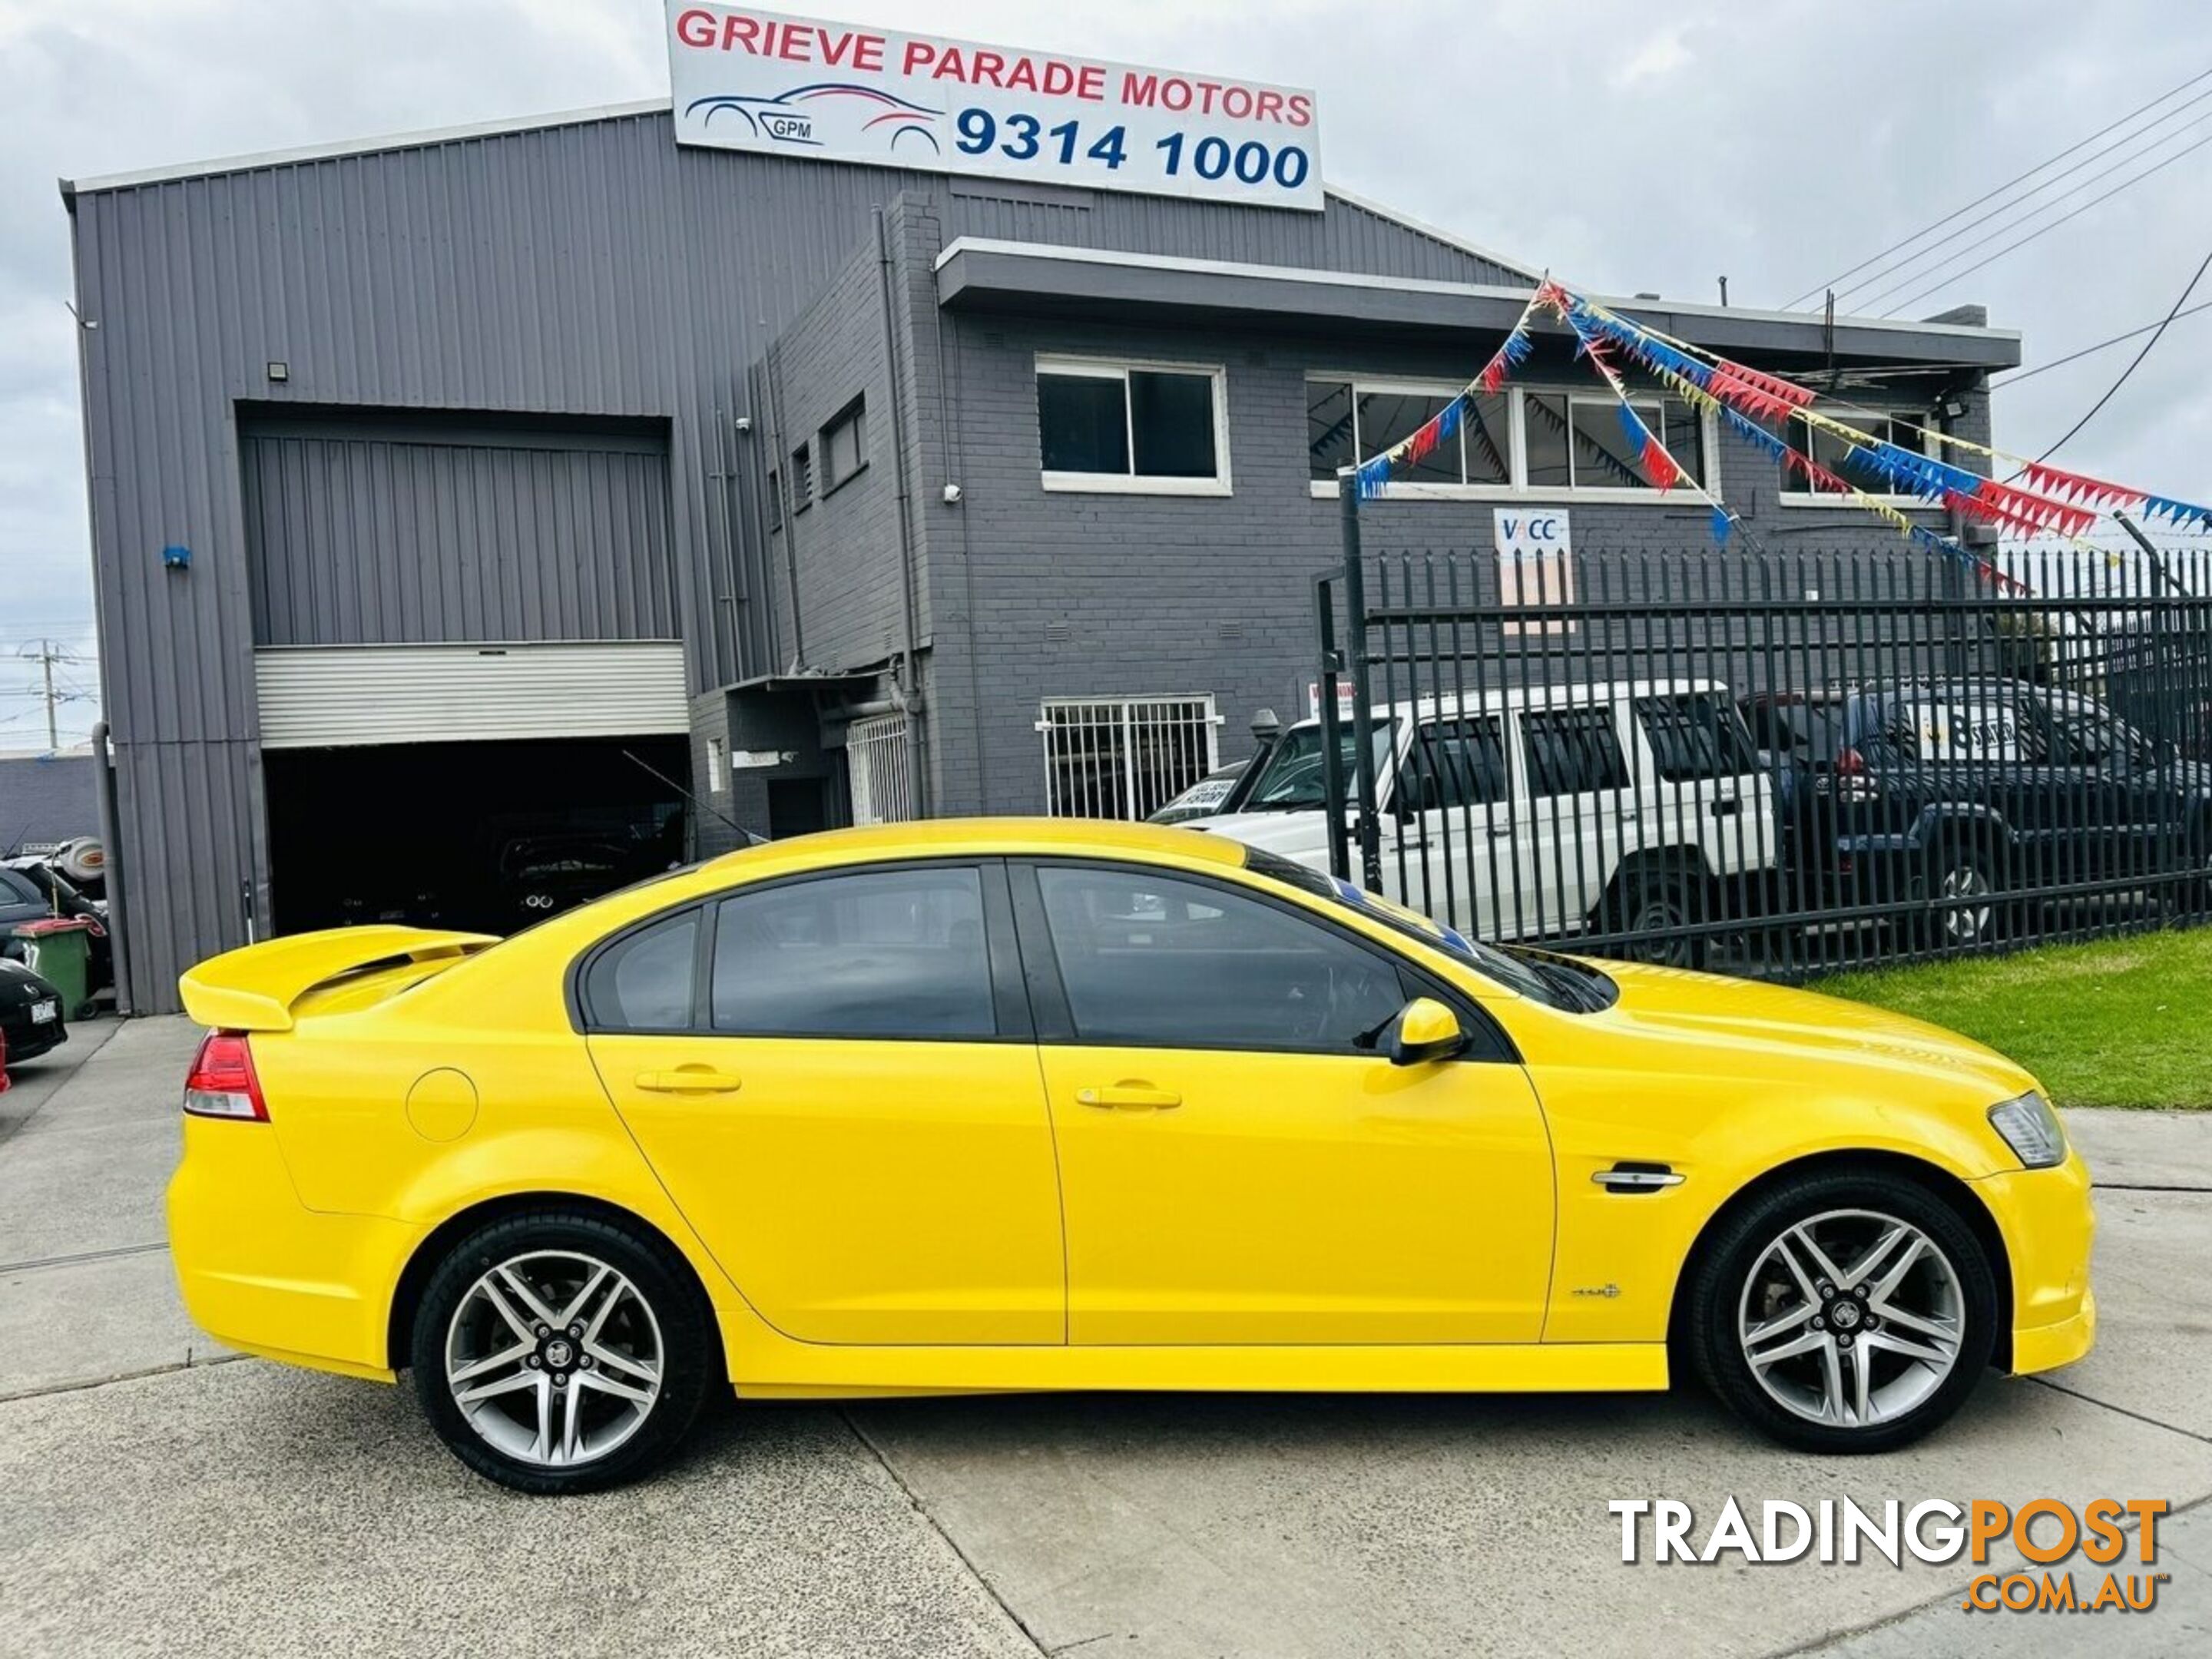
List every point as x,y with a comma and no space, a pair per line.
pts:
221,1082
1853,780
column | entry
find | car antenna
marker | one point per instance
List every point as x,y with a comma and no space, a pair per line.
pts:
751,840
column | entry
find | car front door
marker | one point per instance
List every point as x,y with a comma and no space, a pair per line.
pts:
2132,813
835,1079
1239,1162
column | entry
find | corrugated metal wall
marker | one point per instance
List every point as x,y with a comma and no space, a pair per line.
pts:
369,537
591,268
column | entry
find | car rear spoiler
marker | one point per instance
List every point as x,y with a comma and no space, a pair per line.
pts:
253,988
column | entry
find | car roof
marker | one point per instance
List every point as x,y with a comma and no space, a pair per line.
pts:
1520,696
980,837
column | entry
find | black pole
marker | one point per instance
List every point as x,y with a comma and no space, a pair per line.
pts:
2150,552
1331,751
1355,647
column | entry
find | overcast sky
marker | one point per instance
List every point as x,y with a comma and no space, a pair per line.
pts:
1648,147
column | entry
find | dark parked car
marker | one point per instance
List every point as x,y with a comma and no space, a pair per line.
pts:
31,888
30,1014
540,875
1968,791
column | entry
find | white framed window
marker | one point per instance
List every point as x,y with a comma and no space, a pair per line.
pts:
1124,757
1149,428
716,761
1520,441
845,444
1904,428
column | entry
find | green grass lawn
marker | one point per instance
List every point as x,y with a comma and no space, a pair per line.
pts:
2124,1022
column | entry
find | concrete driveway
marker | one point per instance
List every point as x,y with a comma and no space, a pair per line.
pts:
158,1496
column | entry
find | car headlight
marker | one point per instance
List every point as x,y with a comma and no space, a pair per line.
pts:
2031,1128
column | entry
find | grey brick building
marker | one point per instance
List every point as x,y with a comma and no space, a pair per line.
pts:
483,511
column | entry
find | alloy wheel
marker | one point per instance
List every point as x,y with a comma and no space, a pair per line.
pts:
554,1358
1964,919
1851,1318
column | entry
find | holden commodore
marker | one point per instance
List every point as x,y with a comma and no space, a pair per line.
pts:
1012,1104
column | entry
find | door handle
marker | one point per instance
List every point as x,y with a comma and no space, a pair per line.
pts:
1129,1096
690,1080
1726,807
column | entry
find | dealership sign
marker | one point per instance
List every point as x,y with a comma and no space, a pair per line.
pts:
837,92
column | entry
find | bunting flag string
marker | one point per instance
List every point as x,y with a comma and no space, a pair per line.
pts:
1800,464
1445,423
2058,502
1987,500
1659,467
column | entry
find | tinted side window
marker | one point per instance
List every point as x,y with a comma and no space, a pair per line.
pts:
17,889
1969,731
644,983
2091,739
1696,736
890,953
1152,960
1457,764
1572,751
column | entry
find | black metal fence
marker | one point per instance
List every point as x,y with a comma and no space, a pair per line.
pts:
1778,765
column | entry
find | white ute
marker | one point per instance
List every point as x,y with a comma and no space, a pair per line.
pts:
1637,807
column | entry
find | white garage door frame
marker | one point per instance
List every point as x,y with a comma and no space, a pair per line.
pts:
321,696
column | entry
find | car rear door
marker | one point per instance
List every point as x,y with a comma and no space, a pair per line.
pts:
834,1076
1700,782
1241,1163
1580,815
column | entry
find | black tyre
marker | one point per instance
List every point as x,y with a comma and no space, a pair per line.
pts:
1655,906
556,1352
1845,1312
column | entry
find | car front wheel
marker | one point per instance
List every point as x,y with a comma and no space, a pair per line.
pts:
555,1352
1843,1313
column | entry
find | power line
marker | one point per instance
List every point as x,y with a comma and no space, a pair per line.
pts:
2018,375
2019,210
1945,282
2173,311
1818,288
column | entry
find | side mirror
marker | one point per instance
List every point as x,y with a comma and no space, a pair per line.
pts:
1424,1030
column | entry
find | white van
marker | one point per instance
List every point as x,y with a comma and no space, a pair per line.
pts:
1639,807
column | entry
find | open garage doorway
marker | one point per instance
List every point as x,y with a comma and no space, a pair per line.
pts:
483,836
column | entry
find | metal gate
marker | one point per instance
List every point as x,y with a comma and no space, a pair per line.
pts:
879,763
1124,757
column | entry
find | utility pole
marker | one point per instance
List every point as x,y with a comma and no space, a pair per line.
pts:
46,653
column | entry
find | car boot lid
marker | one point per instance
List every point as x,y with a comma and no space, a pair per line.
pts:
258,988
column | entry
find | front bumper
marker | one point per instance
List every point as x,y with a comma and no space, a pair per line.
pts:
261,1272
2049,1225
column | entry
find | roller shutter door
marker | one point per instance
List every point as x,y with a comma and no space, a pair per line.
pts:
328,696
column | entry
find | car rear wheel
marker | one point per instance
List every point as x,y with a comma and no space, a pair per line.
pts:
1656,908
1843,1313
1966,894
555,1352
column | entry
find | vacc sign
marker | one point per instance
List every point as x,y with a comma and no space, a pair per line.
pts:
792,86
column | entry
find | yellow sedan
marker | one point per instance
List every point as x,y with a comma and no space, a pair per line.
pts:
1030,1104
